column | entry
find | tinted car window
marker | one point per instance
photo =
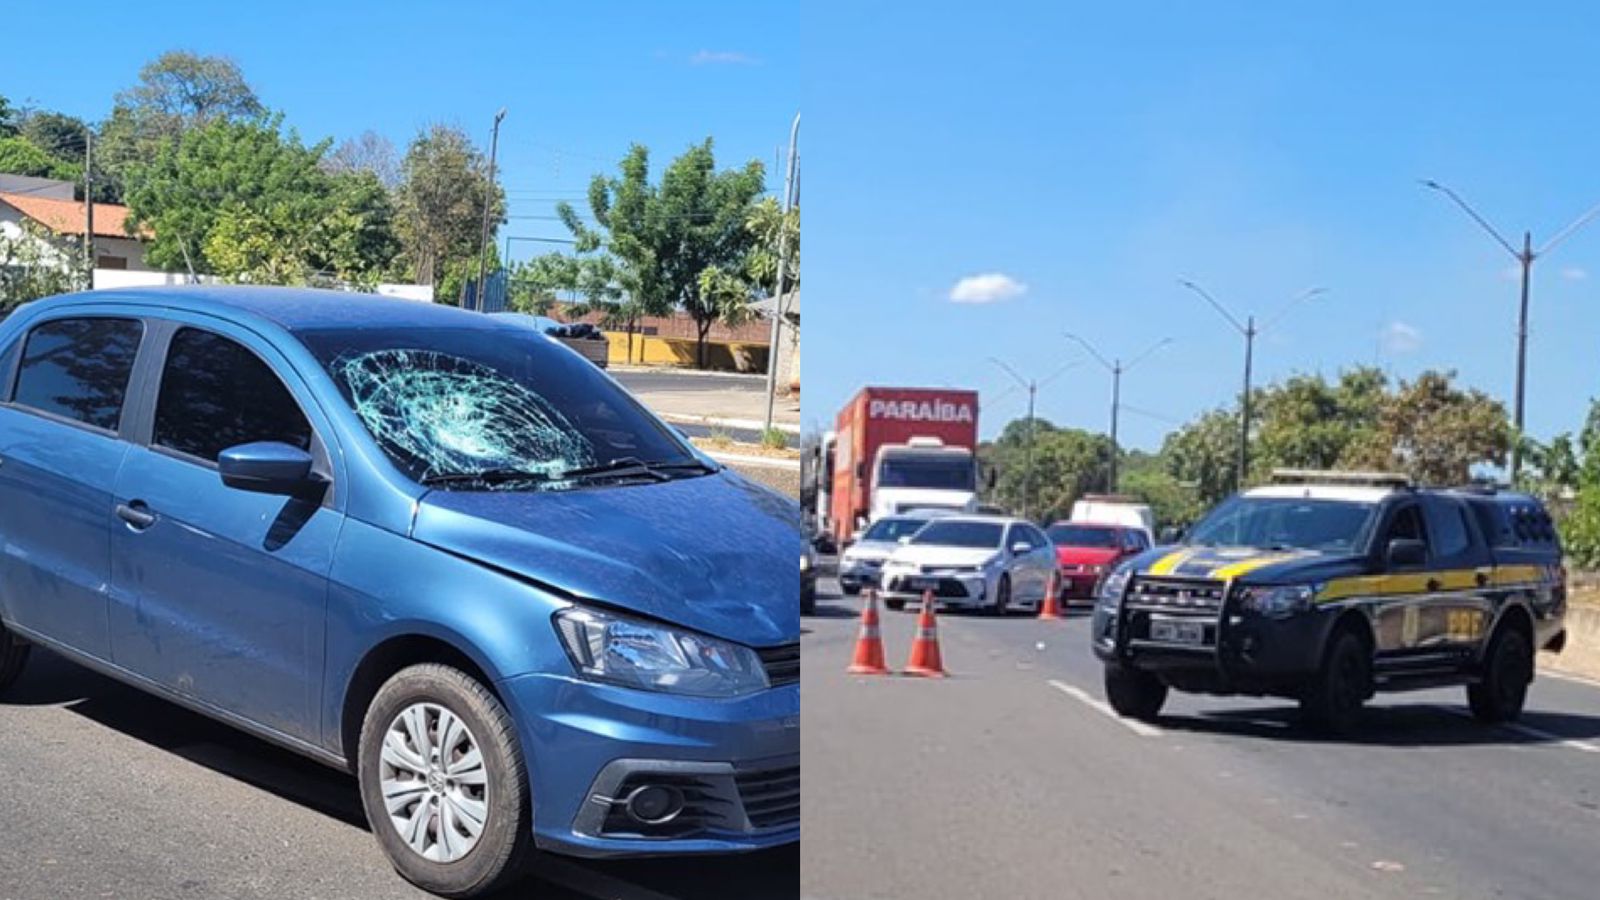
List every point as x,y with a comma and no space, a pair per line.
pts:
1083,536
79,368
1325,525
1450,537
465,401
216,394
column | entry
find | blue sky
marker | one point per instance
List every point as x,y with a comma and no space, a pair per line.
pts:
1096,153
581,81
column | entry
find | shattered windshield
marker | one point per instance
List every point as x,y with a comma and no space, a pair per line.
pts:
470,408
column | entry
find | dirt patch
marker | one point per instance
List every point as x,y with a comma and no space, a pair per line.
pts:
1581,656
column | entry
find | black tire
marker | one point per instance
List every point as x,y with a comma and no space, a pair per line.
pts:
1133,693
894,604
808,602
13,657
1507,672
850,590
1002,597
507,837
1332,704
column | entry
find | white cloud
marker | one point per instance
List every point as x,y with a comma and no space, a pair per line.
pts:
1398,337
722,58
1574,273
988,288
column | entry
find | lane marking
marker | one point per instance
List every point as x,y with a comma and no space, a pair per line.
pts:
1098,705
1528,731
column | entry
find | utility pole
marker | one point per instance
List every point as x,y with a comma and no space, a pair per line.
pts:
1249,329
1032,387
488,204
783,266
88,206
1525,258
1116,368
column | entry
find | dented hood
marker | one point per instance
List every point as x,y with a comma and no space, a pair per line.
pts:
714,553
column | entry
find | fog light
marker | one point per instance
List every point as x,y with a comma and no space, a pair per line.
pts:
654,804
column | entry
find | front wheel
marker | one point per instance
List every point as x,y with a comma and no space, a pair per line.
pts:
443,782
1508,670
1002,596
13,656
1134,694
1333,702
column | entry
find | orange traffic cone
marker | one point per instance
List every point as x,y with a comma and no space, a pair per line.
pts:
869,645
1051,607
925,657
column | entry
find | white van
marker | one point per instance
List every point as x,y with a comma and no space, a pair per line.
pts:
1110,509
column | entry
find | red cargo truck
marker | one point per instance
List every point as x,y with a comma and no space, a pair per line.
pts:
898,449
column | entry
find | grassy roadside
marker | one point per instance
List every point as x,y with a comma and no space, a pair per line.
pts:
718,442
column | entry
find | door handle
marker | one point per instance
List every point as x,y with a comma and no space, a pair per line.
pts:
1434,584
136,514
1482,578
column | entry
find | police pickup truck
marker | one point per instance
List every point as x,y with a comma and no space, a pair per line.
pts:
1327,587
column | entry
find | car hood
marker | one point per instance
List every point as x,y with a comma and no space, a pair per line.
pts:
1085,556
872,550
935,555
1249,565
714,553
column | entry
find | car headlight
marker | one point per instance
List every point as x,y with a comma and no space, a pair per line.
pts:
1112,586
805,562
1280,601
639,654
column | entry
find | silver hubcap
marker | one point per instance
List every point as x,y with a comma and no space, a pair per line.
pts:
434,784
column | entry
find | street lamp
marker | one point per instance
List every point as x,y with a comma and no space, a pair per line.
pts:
1032,388
1116,368
1524,258
488,204
1249,330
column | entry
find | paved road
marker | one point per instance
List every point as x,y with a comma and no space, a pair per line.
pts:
106,792
1009,779
686,398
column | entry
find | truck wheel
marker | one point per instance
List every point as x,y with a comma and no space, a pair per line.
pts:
1508,670
444,783
1333,702
1134,694
13,656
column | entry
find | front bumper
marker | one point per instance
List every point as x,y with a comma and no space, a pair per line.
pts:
735,762
1078,583
951,590
1241,653
857,575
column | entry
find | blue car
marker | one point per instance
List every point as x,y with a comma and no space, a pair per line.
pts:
436,549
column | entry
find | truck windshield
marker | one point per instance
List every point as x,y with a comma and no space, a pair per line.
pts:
474,408
1328,526
960,534
890,530
933,471
1082,536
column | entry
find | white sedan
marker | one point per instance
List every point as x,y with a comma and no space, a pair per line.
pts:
971,562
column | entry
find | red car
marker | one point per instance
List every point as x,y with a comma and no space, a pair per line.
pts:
1086,551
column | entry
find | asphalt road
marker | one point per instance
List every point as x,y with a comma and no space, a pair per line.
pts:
106,792
1011,779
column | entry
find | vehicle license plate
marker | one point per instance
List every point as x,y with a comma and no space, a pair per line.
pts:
1171,632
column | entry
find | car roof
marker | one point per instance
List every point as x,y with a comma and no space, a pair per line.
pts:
993,520
295,309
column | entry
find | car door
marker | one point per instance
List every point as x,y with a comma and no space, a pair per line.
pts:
220,593
1022,548
66,387
1043,559
1463,609
1406,594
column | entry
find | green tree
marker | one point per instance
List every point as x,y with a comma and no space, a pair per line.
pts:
440,205
1205,453
1067,463
58,134
20,156
34,264
1307,422
8,118
1437,432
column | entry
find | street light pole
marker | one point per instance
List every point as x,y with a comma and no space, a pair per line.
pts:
1249,330
1116,368
1525,258
488,204
783,263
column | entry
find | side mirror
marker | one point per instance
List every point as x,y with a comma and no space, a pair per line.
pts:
1407,552
265,467
1020,548
903,539
1171,534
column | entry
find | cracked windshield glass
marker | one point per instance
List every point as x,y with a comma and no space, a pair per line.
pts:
470,408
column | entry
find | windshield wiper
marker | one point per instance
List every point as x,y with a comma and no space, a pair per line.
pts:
622,467
487,476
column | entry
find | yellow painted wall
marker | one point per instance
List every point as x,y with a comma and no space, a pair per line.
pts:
659,351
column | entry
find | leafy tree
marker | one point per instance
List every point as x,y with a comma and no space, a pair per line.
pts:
1437,432
1144,475
1306,422
20,156
8,118
1067,463
1205,453
58,134
34,264
440,205
770,226
368,152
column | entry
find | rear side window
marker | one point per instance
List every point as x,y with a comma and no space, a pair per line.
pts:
1513,524
79,369
216,394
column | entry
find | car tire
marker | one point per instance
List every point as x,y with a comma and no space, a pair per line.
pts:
506,837
1133,693
14,653
808,603
1002,597
894,604
850,590
1507,672
1332,703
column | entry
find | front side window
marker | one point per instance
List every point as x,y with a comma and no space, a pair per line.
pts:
216,394
79,368
472,408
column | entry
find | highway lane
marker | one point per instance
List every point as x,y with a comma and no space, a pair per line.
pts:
1008,780
107,792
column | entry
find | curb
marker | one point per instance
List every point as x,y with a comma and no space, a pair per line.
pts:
718,422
